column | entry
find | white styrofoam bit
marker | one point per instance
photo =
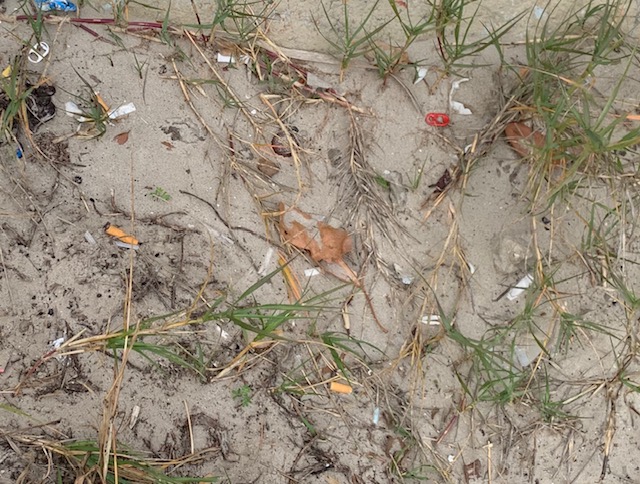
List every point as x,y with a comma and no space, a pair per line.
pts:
455,105
314,271
521,286
224,59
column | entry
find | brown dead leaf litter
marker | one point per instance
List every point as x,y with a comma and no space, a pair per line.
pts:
308,280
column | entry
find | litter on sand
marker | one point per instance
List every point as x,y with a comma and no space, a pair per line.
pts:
311,272
121,235
431,320
267,260
439,120
124,245
89,238
376,416
225,59
55,6
520,287
57,343
135,413
340,388
456,106
421,73
75,112
38,52
525,356
122,111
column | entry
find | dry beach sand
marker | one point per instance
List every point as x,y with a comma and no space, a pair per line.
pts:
227,174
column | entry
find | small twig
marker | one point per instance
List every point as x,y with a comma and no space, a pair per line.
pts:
186,408
226,224
6,277
489,446
94,34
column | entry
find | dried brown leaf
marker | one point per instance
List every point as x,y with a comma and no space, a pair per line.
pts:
121,138
522,138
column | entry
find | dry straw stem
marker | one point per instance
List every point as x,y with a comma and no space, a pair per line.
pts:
81,456
359,192
187,98
285,55
293,145
224,84
107,433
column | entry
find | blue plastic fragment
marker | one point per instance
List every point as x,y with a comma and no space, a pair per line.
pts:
19,153
55,5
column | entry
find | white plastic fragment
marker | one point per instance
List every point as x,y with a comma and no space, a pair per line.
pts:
122,111
266,262
520,287
135,413
451,458
57,343
124,245
89,238
538,12
406,279
376,416
314,271
75,112
223,334
472,268
525,358
431,320
455,105
224,59
421,73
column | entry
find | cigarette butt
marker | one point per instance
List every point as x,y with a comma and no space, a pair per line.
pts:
101,102
340,387
120,234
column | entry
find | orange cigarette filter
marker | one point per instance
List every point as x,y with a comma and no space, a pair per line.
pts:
103,105
340,388
120,234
